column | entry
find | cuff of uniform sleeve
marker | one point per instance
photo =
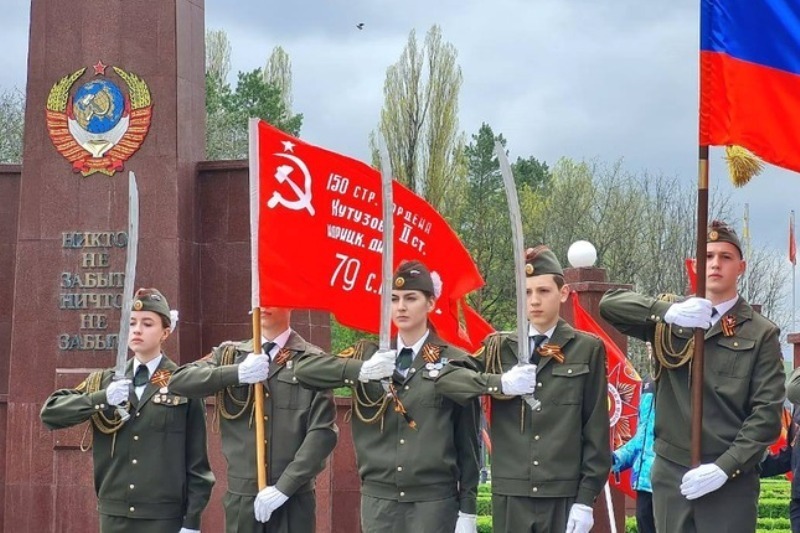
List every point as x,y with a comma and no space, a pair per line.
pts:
658,310
729,465
586,495
493,384
352,368
468,505
99,399
192,521
228,376
288,485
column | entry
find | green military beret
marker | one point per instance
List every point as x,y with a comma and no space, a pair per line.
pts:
413,276
151,300
719,231
541,260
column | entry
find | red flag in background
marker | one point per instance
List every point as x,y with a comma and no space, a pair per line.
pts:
319,224
792,242
691,273
624,389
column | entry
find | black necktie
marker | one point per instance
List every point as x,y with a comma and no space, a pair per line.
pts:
538,340
404,359
141,377
267,347
714,312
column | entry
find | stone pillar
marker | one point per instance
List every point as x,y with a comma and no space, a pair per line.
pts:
48,482
591,283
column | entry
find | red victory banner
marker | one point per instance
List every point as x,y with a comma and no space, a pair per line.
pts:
318,226
624,388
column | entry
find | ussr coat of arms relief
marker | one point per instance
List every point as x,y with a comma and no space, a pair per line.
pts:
99,126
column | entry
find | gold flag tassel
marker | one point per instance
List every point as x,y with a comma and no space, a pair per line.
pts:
743,165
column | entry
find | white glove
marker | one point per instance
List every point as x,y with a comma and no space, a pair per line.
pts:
700,481
581,518
690,313
118,391
466,523
187,530
379,366
521,379
267,501
254,368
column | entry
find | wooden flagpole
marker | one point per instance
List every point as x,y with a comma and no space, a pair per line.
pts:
700,333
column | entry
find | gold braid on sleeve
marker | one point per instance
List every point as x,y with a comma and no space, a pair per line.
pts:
494,364
666,355
228,357
362,399
104,424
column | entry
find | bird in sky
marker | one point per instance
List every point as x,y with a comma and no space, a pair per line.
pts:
360,25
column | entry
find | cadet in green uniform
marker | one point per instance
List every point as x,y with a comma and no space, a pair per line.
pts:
550,463
417,452
151,473
742,394
299,426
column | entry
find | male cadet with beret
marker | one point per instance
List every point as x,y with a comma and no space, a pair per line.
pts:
299,424
151,472
743,391
548,463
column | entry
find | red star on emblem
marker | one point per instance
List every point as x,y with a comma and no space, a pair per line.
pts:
100,69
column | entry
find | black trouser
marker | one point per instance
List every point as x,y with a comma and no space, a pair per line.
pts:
645,522
794,514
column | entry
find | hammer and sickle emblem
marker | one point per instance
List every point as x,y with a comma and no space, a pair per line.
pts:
283,175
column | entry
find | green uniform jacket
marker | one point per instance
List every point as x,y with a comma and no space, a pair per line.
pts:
793,390
300,423
561,449
743,388
159,466
437,460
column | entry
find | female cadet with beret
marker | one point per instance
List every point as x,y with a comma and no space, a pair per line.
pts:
417,452
151,472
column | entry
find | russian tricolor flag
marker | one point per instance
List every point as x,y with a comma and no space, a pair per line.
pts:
750,77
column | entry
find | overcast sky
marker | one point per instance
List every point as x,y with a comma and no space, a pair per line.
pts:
576,78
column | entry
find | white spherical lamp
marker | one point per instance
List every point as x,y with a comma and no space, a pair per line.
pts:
582,254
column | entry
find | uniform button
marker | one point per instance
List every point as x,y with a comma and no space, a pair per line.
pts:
103,406
132,486
736,344
402,441
680,330
137,414
266,395
97,407
538,409
132,509
536,437
134,461
406,387
294,378
136,437
536,463
265,417
402,493
569,371
539,385
535,489
399,468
